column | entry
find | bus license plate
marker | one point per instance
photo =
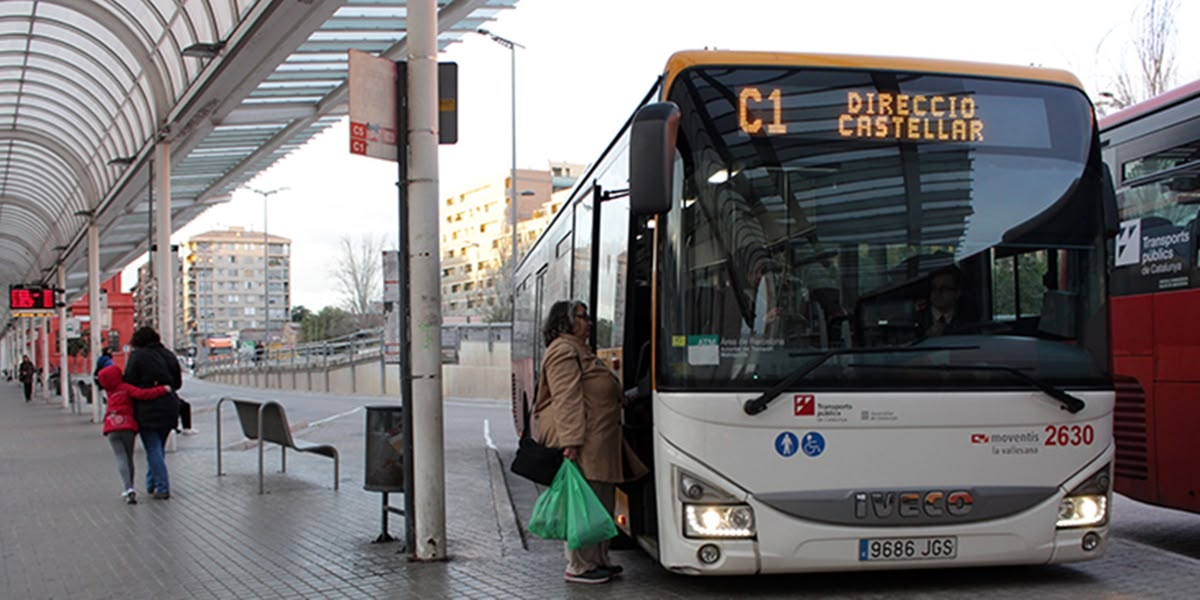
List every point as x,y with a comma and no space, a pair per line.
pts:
909,548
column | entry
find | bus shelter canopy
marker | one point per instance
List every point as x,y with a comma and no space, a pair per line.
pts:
89,87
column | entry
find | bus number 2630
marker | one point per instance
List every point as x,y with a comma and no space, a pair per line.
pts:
1070,435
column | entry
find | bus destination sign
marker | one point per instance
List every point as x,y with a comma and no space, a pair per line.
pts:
875,115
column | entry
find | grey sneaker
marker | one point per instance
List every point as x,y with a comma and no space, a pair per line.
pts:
596,575
130,496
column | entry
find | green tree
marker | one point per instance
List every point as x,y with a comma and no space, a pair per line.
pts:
331,322
299,313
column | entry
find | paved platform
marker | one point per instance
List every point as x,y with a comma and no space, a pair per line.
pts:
66,533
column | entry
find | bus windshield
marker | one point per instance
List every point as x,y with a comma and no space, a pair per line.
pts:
820,209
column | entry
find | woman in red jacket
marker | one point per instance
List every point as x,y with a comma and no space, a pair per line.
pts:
119,424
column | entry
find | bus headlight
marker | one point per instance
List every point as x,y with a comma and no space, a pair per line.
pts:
1081,511
1087,504
718,521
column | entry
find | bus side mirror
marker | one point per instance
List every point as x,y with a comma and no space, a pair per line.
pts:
651,158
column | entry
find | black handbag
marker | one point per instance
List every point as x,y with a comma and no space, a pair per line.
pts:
534,461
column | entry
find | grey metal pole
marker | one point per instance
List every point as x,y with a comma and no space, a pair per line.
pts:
512,48
266,283
44,334
429,466
64,369
164,279
266,269
512,178
93,262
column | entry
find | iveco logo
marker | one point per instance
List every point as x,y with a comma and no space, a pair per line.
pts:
911,505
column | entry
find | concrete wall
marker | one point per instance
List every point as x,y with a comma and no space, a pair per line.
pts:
487,376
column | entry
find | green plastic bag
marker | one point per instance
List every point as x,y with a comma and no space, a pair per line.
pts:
569,510
549,518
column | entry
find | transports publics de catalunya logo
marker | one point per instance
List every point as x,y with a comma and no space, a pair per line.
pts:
805,405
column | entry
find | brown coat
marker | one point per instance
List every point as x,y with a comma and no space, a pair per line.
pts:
579,404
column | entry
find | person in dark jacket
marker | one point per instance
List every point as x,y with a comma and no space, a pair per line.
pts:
105,360
151,364
25,374
119,425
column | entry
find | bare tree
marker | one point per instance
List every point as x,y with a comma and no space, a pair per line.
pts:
359,277
496,302
1153,42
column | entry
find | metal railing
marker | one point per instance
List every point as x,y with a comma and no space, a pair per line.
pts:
358,347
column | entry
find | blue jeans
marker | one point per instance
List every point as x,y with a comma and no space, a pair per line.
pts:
155,442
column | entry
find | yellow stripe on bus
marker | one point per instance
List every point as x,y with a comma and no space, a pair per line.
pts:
694,58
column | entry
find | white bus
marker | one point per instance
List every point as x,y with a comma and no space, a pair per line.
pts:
863,302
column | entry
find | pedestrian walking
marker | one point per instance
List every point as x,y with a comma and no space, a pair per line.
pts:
120,426
151,364
25,374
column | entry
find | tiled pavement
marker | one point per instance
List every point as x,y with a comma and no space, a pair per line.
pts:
64,532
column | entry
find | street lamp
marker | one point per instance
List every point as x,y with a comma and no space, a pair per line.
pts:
266,264
512,48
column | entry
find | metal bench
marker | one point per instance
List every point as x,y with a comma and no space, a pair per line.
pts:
82,393
267,422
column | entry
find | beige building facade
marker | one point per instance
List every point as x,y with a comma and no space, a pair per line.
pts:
476,238
145,296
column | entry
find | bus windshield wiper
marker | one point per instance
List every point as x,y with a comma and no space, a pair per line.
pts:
759,404
1071,403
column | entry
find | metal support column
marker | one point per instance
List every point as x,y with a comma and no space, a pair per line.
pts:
94,342
64,365
425,290
165,265
44,336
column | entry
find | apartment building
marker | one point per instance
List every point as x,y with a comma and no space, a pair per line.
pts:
145,296
235,287
476,237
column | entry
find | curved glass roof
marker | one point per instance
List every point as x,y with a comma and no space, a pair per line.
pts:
88,87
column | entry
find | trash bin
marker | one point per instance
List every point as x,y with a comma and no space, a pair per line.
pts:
384,471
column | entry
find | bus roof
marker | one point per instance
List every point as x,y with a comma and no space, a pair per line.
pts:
691,58
1162,101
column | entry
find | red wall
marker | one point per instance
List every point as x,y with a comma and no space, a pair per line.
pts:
121,305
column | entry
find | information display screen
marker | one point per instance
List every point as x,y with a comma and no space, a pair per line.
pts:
30,298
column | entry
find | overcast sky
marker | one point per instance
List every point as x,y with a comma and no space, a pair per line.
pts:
586,64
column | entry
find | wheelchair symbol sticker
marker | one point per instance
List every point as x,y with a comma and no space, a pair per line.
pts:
813,444
786,444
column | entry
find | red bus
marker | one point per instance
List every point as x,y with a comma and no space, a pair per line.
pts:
1153,151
